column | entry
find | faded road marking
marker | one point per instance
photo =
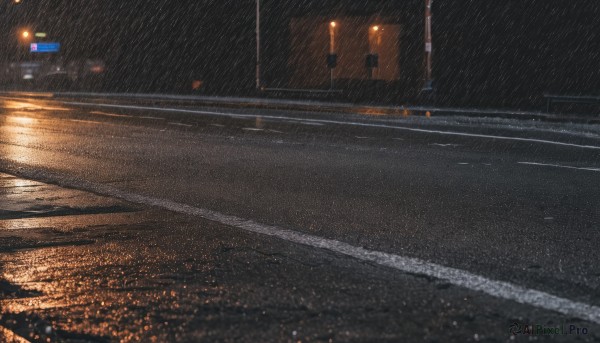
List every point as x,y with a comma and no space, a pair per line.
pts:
558,166
85,121
179,124
111,114
337,122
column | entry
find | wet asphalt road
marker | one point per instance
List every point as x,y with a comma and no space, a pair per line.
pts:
507,200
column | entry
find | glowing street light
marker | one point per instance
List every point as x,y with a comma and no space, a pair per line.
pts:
25,34
332,27
372,62
332,57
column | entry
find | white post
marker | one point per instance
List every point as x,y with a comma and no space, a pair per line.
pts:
258,57
428,47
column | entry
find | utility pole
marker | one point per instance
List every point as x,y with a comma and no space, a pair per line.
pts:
428,86
332,58
258,52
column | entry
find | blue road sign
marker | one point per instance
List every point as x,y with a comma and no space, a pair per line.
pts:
45,47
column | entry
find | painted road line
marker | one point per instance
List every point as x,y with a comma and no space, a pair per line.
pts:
111,114
179,124
500,289
558,166
86,121
337,122
308,123
152,118
445,145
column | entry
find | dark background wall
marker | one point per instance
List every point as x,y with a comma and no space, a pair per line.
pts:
510,52
500,53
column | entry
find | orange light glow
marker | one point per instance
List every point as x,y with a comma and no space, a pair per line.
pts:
333,24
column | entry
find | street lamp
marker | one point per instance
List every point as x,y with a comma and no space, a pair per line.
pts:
372,63
258,52
332,57
25,36
332,27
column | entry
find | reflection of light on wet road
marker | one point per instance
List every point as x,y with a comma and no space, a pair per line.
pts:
20,183
371,111
28,106
23,121
31,273
20,134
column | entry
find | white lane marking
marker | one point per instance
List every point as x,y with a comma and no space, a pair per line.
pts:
309,123
180,124
500,289
251,129
445,145
111,114
296,121
152,118
86,121
337,122
558,166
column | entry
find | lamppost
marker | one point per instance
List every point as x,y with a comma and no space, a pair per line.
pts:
332,57
428,86
24,36
374,47
258,52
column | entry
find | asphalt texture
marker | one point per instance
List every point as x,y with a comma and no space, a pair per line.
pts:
509,200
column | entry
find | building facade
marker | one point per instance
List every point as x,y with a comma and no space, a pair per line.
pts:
500,53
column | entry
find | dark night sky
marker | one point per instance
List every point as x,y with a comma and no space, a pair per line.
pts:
498,47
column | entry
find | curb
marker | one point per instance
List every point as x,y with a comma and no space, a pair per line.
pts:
315,106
